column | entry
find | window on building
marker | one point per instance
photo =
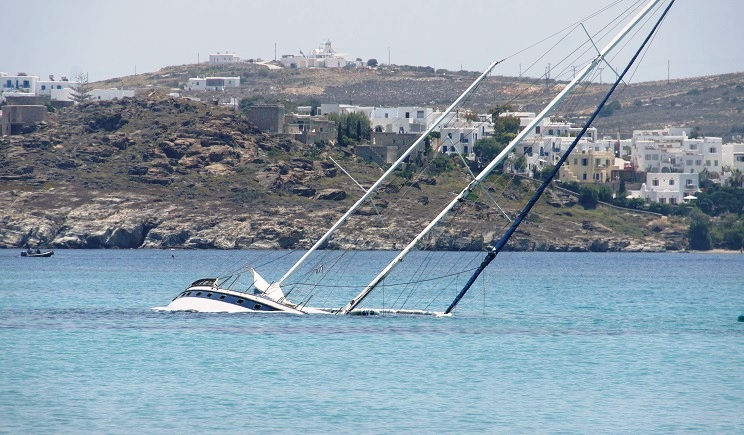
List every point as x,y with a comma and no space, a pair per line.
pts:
444,149
688,162
408,115
576,161
43,87
419,114
465,149
449,135
655,182
662,200
688,182
26,84
707,163
584,162
715,162
671,182
583,177
550,132
712,150
597,162
9,84
698,162
673,201
537,130
740,158
693,146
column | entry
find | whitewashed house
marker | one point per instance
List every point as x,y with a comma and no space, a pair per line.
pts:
19,83
671,150
667,188
407,119
733,156
328,108
461,138
212,83
322,57
221,59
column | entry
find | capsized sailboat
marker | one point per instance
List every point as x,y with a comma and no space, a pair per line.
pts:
211,295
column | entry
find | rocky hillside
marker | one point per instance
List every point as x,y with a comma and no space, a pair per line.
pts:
160,172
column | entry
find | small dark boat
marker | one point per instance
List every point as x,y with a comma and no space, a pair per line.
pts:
37,253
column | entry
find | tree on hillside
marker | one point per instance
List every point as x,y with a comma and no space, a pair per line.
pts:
485,150
353,126
372,63
81,91
588,197
699,231
505,128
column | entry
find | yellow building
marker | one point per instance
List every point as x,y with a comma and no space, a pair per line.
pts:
589,165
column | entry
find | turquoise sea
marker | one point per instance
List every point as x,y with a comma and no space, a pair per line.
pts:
550,342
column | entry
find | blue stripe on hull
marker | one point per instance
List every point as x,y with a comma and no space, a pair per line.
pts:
226,298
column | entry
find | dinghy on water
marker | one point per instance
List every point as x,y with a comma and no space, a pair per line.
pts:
36,253
211,295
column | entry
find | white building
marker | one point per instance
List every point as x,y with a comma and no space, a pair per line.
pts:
671,150
549,127
19,83
328,108
46,87
407,119
212,83
667,188
733,155
221,59
322,57
460,139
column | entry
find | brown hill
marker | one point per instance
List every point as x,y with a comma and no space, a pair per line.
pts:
712,104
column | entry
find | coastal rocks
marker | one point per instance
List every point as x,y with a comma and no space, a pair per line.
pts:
331,195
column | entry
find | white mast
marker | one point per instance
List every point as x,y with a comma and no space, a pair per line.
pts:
387,173
473,184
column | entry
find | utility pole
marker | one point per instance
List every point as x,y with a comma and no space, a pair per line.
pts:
668,66
275,52
388,55
600,74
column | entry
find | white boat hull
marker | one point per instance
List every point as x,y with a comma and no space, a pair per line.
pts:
206,299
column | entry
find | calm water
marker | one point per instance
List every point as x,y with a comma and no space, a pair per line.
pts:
621,343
